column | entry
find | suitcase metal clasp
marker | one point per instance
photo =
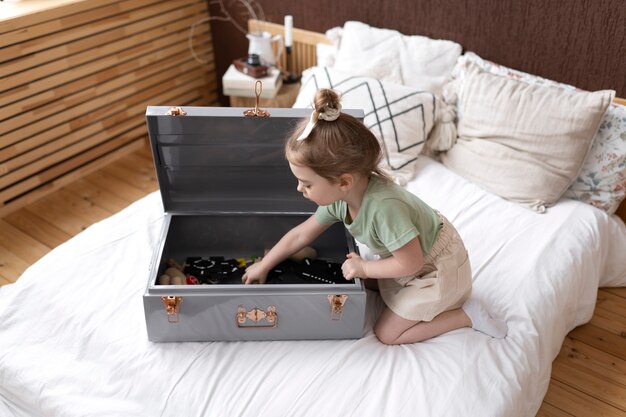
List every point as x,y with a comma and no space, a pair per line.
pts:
172,307
176,111
256,111
337,302
256,315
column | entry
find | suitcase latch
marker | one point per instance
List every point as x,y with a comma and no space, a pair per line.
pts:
256,111
172,307
176,111
256,315
336,302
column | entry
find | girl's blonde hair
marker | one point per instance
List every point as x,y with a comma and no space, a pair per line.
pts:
335,147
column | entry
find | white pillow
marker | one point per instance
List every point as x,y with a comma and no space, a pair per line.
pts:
388,55
523,142
602,180
326,54
400,117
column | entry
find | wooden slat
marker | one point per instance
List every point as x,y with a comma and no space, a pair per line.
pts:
34,226
58,79
11,266
46,181
66,28
593,360
21,244
76,52
548,410
620,292
599,386
68,215
610,313
578,403
24,14
76,84
90,172
74,173
133,169
600,339
187,80
84,88
99,196
77,104
58,131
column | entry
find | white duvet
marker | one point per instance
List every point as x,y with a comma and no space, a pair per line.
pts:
73,339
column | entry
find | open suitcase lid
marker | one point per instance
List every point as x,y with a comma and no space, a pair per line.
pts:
215,159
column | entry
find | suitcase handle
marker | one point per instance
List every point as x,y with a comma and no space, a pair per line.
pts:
256,315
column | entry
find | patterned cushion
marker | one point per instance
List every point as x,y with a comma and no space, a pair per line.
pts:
400,117
602,180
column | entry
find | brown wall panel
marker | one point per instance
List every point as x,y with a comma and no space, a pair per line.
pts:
580,42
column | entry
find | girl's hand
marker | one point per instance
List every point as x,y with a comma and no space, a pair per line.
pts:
255,273
353,267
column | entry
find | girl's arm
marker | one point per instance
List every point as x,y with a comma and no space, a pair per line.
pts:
294,240
407,260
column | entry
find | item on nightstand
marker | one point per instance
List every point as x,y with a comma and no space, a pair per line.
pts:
235,83
289,77
251,65
261,45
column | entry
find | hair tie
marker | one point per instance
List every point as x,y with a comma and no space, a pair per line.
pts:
329,115
307,130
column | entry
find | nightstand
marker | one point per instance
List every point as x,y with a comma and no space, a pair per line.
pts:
285,97
241,89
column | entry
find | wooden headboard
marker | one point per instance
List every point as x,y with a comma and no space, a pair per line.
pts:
304,47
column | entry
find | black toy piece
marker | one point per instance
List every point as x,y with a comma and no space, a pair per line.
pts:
218,270
309,271
214,270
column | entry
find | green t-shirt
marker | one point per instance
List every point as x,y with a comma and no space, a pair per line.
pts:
389,218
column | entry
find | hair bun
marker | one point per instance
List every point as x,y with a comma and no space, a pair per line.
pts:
327,102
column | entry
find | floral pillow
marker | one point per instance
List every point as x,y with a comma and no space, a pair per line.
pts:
601,181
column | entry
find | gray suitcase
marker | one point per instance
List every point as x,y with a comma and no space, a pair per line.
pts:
227,191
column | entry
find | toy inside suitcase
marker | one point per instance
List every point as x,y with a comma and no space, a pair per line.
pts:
228,196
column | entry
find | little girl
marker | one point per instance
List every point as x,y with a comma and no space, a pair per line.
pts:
422,269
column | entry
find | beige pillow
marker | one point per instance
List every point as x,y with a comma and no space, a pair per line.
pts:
525,143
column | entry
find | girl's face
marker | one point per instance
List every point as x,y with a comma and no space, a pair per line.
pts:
316,188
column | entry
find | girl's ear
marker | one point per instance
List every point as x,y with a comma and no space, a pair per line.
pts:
346,181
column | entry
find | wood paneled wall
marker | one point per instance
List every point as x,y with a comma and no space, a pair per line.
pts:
580,42
75,81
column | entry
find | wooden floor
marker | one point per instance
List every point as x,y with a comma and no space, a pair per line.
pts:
589,375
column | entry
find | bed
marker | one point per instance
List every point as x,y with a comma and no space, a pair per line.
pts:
73,339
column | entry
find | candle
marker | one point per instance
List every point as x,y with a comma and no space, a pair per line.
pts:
288,30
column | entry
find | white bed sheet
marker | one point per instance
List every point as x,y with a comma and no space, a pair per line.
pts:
73,339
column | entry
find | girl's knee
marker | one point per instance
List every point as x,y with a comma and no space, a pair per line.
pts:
384,335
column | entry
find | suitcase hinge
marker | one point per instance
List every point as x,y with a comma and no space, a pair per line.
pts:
176,111
256,315
172,307
336,302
